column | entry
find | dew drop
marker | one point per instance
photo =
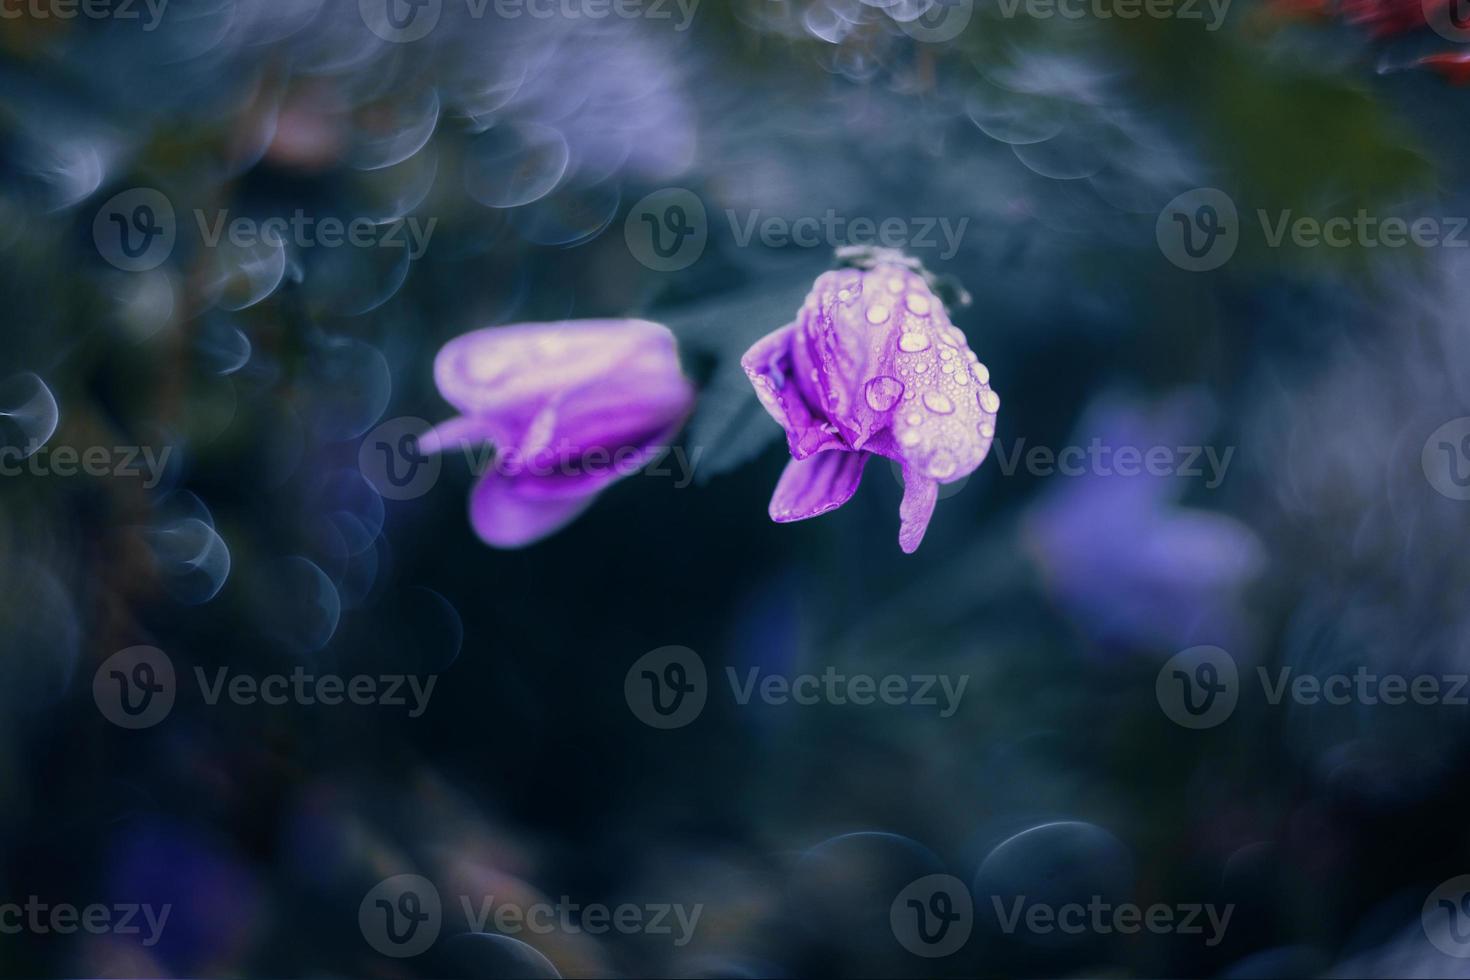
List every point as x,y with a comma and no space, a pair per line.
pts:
941,465
938,402
987,429
910,343
921,367
918,304
961,378
877,313
947,367
954,335
981,372
883,392
989,401
895,285
946,352
909,437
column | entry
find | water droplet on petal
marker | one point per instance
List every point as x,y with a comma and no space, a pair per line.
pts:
942,465
921,367
883,392
946,353
938,402
877,313
947,367
981,372
987,429
989,401
911,343
918,304
915,418
909,437
895,285
961,378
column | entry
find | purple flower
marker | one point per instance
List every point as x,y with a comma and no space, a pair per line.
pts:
569,407
872,366
1119,552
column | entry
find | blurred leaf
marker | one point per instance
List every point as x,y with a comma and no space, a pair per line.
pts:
729,425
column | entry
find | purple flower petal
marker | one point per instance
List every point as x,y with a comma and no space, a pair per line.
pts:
817,484
504,515
525,380
919,497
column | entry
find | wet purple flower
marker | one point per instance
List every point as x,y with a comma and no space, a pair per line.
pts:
569,407
872,366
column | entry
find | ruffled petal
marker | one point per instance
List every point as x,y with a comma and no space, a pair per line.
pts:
770,366
816,485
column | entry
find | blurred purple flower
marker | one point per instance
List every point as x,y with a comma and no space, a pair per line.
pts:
1120,554
872,366
569,407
